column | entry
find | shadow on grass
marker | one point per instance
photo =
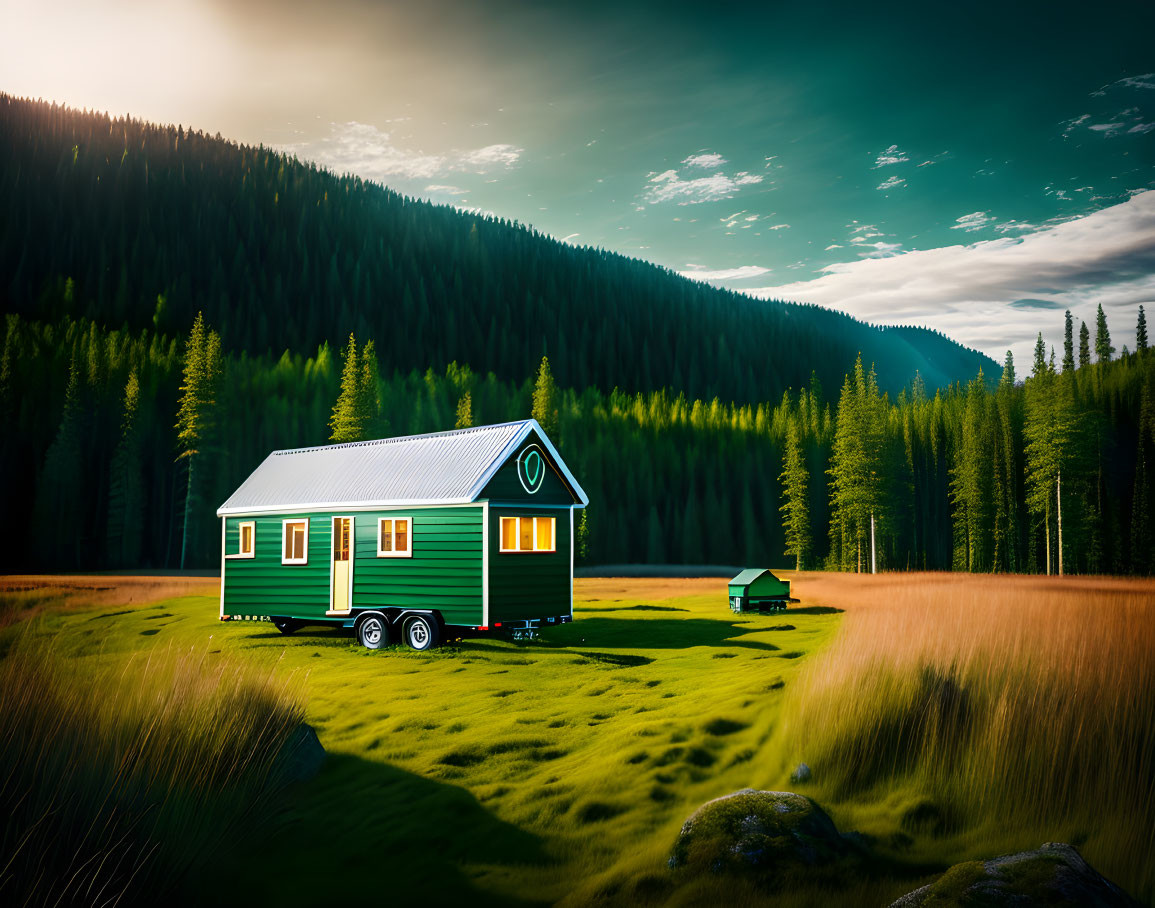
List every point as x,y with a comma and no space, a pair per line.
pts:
812,610
312,632
655,633
363,830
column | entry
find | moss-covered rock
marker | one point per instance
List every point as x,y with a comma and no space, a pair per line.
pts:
762,833
1055,875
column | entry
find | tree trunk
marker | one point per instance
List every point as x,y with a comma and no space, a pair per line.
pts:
1047,530
1059,512
187,507
873,548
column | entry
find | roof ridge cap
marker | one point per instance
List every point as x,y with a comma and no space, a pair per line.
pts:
399,438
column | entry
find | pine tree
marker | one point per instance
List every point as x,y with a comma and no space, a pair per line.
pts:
1040,364
1069,344
1141,333
368,393
795,481
1084,345
464,412
655,548
1103,349
197,409
1007,380
970,484
347,420
545,400
126,484
59,492
855,469
1048,430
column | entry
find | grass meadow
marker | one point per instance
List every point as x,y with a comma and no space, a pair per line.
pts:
945,717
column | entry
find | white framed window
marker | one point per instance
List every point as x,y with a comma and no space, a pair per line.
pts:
395,537
295,541
528,534
246,539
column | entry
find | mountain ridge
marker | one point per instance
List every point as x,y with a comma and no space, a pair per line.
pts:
152,223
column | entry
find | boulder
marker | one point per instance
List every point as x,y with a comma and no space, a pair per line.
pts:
801,774
762,833
301,756
1055,875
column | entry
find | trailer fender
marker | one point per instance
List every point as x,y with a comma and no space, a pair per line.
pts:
399,616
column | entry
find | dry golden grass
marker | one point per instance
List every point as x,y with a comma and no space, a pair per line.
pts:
987,710
118,779
24,596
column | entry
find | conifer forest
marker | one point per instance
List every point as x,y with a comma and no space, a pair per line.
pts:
178,306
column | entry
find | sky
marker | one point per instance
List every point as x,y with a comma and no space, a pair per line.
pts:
973,168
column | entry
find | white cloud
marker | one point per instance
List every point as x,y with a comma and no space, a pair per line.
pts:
1071,125
366,151
1129,122
878,250
491,157
572,236
1108,129
891,182
892,155
832,246
742,272
976,220
668,186
1147,80
1012,224
779,227
966,291
707,160
445,189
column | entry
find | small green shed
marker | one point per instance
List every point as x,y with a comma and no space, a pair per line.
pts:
758,590
418,538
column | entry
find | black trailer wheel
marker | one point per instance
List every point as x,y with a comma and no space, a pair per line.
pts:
421,632
372,632
286,625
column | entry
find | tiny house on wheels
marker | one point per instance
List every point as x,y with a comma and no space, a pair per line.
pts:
418,539
758,590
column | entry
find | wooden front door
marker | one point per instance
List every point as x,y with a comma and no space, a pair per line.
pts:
342,563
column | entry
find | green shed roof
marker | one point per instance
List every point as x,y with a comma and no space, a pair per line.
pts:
748,576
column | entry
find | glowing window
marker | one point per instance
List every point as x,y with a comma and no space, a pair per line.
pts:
528,534
395,537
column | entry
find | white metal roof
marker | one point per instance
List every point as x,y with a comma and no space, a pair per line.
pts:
439,468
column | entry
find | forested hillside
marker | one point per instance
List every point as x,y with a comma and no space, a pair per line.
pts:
696,419
134,225
971,478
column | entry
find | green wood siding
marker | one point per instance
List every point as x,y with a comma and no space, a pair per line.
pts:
506,487
445,572
529,584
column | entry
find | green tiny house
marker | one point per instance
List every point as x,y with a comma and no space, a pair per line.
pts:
758,590
420,537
